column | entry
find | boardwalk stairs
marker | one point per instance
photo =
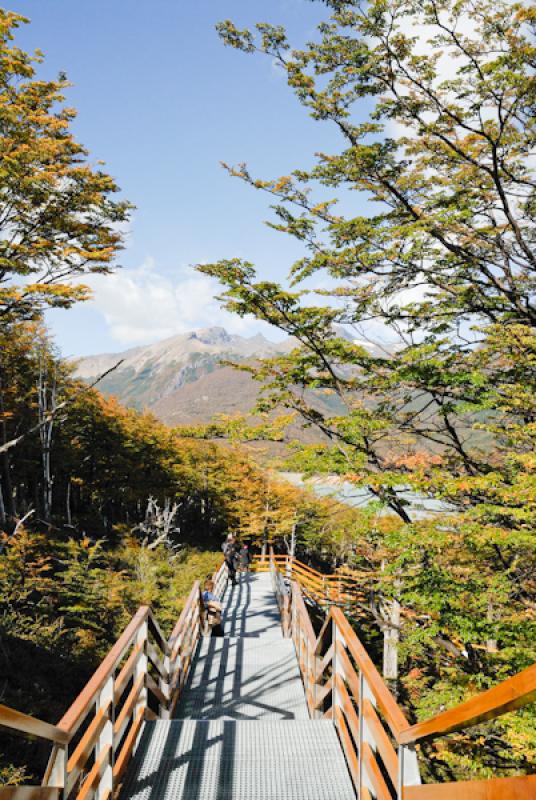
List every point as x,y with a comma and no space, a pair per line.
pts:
270,710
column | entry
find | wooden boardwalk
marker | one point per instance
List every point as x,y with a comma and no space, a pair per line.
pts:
243,728
270,711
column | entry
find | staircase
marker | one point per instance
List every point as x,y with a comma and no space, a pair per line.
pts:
272,710
242,727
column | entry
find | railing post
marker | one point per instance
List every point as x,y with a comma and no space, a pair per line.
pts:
337,641
142,664
106,739
365,736
334,672
165,687
408,769
58,773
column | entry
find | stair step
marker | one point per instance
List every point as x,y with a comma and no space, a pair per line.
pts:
229,760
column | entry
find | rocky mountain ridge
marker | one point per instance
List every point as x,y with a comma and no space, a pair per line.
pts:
182,379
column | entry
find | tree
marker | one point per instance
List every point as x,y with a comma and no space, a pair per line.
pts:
434,103
58,218
452,217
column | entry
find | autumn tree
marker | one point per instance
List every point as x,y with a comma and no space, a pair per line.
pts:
434,105
59,220
443,157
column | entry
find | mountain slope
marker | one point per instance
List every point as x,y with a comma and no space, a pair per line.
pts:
149,374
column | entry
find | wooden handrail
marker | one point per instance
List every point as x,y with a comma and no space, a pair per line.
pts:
302,609
340,680
76,712
193,598
511,694
391,710
9,718
522,787
115,721
344,684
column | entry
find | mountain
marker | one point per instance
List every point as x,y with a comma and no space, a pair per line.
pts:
184,382
150,374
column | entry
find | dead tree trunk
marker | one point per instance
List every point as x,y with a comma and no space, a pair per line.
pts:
390,612
391,641
47,409
6,487
3,518
291,549
68,503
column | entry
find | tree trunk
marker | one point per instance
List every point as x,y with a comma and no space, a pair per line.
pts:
47,408
68,503
2,509
391,639
491,644
291,551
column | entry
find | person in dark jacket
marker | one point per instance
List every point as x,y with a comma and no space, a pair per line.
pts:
244,558
230,555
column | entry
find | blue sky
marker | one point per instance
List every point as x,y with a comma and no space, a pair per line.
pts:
162,102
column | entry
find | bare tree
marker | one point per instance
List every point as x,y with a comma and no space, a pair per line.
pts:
47,400
160,525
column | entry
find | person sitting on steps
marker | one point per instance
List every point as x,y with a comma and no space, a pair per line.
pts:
213,608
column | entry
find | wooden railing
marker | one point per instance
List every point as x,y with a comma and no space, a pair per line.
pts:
322,588
342,683
141,678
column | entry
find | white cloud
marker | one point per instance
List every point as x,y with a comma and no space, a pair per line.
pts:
143,305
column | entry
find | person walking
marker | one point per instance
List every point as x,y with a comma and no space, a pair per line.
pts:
244,558
230,555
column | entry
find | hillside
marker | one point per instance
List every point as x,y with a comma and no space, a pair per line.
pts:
183,381
151,373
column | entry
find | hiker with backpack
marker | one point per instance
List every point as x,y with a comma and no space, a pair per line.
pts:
230,554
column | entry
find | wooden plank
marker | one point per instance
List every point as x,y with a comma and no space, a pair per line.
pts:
10,718
323,693
515,692
86,745
350,675
325,662
383,743
74,716
29,792
374,774
122,720
94,776
156,690
156,661
302,609
321,635
154,627
348,747
347,707
122,759
518,788
193,597
126,672
389,707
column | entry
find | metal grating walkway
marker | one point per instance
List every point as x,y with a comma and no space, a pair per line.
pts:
242,730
